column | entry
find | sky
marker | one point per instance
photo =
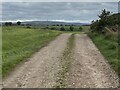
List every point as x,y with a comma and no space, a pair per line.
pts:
83,12
60,0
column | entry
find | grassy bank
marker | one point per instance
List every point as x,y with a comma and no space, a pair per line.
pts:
108,47
20,43
65,64
0,52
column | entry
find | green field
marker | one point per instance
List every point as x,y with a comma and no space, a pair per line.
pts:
20,43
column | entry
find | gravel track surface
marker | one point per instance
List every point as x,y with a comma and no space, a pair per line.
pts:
39,71
89,69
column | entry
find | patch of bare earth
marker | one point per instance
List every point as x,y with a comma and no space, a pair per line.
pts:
39,71
89,69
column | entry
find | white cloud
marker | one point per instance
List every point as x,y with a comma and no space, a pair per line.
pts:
75,21
55,11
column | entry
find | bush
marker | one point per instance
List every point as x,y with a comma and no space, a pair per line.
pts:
62,29
80,28
71,28
28,27
53,28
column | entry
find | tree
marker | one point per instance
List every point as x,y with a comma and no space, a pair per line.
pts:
80,28
9,23
6,23
94,25
62,29
53,28
71,28
103,18
18,23
103,21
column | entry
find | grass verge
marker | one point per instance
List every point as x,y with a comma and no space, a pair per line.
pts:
65,64
108,47
20,43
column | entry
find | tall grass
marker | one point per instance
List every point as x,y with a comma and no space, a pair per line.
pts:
0,53
20,42
108,47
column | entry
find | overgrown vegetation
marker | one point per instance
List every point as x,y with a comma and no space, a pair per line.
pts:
108,47
65,64
106,19
104,33
21,42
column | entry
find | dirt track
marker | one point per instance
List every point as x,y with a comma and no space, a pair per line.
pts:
88,68
40,69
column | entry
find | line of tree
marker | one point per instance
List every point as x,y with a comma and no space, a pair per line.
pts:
71,28
10,23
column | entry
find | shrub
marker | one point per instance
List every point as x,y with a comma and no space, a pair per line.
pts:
80,28
53,28
62,29
71,28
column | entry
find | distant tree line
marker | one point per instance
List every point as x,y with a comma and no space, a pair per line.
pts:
61,27
10,23
64,28
71,28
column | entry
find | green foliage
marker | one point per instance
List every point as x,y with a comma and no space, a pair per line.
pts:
114,19
105,19
53,28
62,29
80,28
71,28
8,23
21,42
18,23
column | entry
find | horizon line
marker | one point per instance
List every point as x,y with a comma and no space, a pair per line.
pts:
66,21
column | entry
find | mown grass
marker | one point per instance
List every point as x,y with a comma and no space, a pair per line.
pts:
20,43
65,64
108,47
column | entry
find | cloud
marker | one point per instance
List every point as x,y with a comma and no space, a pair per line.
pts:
69,11
61,0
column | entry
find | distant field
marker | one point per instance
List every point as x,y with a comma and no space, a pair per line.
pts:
20,42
